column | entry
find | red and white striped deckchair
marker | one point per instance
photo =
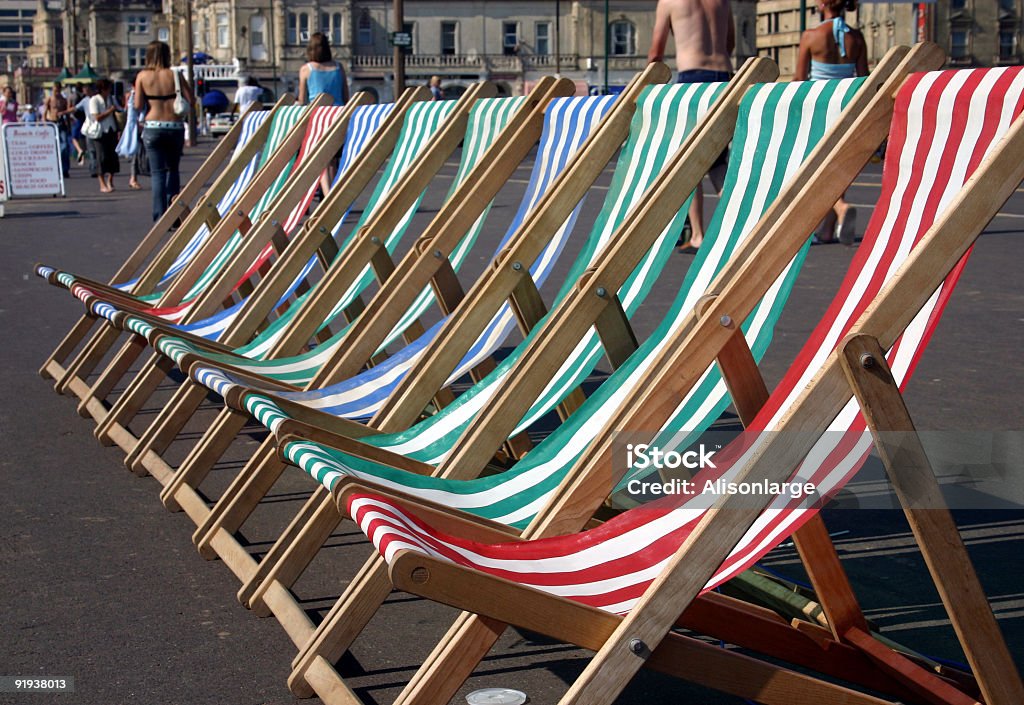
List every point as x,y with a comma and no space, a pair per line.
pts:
953,160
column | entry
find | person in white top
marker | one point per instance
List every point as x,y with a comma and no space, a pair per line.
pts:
102,107
247,94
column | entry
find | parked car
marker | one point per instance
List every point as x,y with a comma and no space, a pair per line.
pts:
221,123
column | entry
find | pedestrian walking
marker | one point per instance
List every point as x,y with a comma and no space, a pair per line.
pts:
833,50
8,106
704,40
102,134
157,90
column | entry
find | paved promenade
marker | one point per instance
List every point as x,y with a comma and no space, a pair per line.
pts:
99,583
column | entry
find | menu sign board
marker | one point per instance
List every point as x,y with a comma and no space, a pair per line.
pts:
30,161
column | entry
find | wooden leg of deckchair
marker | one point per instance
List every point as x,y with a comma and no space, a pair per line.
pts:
162,431
92,404
241,497
934,528
53,368
346,620
452,662
749,393
87,359
153,373
573,623
294,550
201,459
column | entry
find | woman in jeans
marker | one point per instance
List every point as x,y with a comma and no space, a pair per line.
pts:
163,132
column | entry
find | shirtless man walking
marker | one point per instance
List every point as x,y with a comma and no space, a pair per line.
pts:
705,38
56,110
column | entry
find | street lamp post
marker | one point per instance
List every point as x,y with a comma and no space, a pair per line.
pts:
189,73
399,52
607,42
558,35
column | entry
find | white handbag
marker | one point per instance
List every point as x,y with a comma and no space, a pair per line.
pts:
181,106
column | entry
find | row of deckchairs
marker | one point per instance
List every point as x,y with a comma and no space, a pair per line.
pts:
390,446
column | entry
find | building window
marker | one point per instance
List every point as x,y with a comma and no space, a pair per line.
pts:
136,57
509,37
163,34
449,38
959,45
542,39
138,24
364,34
257,38
223,30
298,28
623,38
1008,5
957,5
330,24
1007,44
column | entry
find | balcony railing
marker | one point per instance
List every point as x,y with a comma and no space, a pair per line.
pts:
210,71
486,63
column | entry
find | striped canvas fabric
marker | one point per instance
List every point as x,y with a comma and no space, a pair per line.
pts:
568,122
778,125
945,123
487,119
250,124
323,119
363,125
283,120
664,116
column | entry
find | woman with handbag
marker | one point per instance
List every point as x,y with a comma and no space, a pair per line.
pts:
101,131
169,99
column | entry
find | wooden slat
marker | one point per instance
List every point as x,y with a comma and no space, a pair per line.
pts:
913,480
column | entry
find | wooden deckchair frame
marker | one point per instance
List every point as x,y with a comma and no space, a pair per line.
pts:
867,108
479,188
857,368
315,237
269,589
192,216
143,452
682,172
421,267
236,220
214,535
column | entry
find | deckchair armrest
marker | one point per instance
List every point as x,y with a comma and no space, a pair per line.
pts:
162,330
293,431
445,519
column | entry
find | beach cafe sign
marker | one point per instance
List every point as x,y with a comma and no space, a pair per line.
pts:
29,161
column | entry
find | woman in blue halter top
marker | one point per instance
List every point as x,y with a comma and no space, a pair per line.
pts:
833,50
321,74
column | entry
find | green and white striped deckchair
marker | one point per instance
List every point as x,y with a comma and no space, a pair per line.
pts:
276,160
152,261
779,125
327,131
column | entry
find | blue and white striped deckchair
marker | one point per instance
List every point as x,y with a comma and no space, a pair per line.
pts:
567,124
